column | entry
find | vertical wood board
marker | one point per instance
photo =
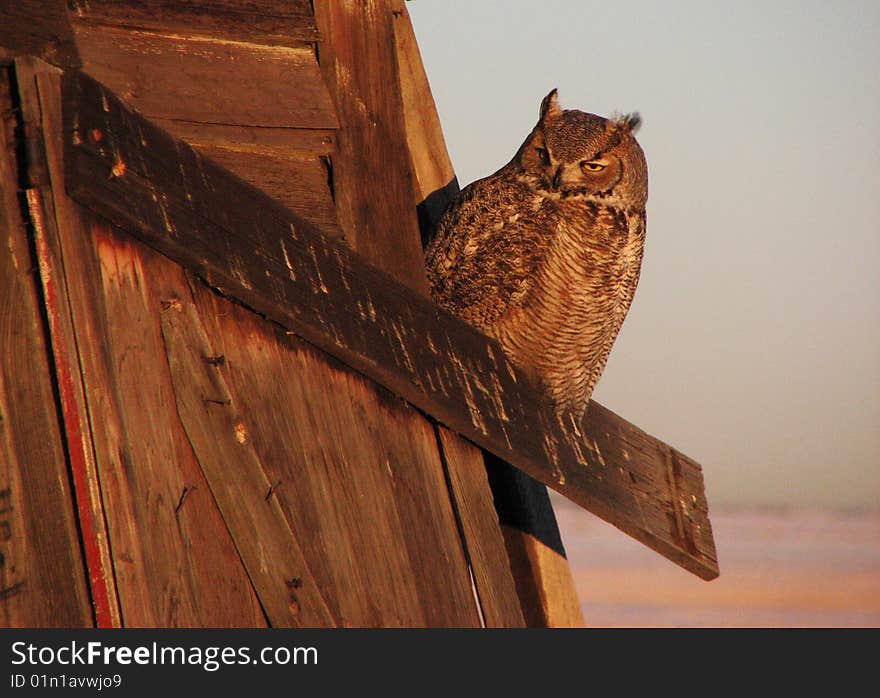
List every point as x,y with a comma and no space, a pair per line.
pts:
35,109
149,466
216,426
42,576
373,182
485,542
137,464
353,469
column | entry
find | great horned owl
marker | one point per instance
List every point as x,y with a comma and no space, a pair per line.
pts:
544,255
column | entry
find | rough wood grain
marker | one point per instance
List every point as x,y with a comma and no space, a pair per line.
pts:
71,398
38,28
431,164
206,80
544,581
265,256
295,141
486,549
218,429
42,574
405,568
359,63
223,75
174,558
263,111
299,182
160,557
356,475
256,21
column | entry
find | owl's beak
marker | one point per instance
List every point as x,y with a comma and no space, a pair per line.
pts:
557,177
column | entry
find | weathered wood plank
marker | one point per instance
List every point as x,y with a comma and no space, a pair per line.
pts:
175,560
164,540
485,543
217,428
359,63
543,576
252,107
545,582
42,575
357,476
257,138
431,165
406,568
38,28
90,511
300,183
267,257
183,78
256,21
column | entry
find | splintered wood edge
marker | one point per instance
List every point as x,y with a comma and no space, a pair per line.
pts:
259,253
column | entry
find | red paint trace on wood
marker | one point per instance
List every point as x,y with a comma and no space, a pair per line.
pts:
103,604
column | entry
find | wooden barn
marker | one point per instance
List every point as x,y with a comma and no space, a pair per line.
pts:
225,397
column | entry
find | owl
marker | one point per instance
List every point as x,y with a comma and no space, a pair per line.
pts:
545,254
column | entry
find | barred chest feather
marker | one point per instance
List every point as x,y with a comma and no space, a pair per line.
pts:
565,327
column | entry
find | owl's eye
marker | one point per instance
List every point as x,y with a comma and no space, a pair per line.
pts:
592,166
543,156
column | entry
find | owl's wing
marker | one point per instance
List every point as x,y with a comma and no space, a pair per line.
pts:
488,248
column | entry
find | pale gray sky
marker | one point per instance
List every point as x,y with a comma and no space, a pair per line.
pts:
753,344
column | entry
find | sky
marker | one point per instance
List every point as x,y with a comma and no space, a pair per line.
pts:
753,343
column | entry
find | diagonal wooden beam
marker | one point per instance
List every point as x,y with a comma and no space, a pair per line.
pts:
254,250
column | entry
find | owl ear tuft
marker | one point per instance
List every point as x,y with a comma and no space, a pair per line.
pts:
629,122
550,106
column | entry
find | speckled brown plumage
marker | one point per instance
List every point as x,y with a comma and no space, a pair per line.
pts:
545,254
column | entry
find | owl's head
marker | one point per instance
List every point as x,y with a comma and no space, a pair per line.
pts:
573,153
